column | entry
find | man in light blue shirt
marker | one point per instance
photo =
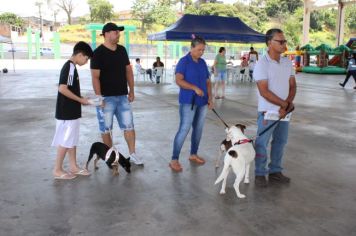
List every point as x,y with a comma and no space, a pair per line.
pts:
276,85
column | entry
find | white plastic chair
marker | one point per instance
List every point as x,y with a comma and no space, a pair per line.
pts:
140,74
158,72
245,75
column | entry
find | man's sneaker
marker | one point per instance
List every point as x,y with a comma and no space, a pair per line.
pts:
342,85
278,178
260,181
135,159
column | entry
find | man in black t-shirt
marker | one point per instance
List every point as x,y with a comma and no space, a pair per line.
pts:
113,79
156,66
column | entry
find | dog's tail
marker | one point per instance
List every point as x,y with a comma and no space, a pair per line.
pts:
225,170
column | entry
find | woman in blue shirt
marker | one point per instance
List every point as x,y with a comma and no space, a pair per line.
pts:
195,97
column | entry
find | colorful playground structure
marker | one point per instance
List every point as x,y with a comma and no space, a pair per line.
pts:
317,60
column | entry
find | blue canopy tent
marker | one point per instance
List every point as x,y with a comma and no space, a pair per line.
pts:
211,28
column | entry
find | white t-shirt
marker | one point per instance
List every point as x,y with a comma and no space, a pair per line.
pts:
139,68
277,74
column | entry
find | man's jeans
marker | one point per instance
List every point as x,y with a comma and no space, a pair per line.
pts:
189,118
279,134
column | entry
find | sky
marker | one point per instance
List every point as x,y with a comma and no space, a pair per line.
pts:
28,8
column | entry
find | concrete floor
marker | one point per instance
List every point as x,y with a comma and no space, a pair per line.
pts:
320,159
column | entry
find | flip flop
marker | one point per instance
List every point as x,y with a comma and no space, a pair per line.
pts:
175,166
65,176
196,159
82,172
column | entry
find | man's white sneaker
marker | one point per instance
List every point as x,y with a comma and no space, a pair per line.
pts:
135,159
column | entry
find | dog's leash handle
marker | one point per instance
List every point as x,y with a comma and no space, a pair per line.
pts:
269,127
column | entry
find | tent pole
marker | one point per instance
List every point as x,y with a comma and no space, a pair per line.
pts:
165,61
147,53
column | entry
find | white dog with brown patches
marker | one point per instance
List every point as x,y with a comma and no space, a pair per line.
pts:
239,157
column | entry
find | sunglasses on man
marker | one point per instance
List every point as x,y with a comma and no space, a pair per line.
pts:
281,42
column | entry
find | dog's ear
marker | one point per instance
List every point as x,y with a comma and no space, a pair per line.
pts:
241,127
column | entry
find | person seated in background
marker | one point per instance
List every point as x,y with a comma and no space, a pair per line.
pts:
243,65
141,70
156,64
252,58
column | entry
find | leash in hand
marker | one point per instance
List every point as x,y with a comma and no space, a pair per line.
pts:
271,125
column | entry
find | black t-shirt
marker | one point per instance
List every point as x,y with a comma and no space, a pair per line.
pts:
112,66
155,64
66,108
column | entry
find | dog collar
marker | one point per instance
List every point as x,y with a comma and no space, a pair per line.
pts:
243,141
108,154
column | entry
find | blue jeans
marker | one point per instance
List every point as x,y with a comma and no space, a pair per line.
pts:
279,134
118,106
189,118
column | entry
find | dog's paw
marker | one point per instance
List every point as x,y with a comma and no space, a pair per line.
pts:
222,192
246,181
239,195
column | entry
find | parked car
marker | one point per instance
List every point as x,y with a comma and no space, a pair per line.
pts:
46,51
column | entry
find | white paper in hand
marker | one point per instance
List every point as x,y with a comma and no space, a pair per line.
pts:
96,101
273,115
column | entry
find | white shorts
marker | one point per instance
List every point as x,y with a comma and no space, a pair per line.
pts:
67,133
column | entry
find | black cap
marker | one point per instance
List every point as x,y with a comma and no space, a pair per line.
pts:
111,27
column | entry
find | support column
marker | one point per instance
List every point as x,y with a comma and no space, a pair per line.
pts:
160,49
37,41
306,21
127,41
1,51
29,42
340,24
93,39
56,45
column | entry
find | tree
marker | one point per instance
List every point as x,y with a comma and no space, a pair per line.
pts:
68,7
253,15
277,8
12,19
292,26
215,9
142,10
163,14
350,18
100,10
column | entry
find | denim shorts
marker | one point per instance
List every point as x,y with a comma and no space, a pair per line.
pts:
221,75
118,106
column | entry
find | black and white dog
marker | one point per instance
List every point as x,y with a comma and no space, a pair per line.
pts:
111,156
226,145
238,156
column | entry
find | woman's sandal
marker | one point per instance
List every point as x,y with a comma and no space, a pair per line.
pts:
196,159
175,166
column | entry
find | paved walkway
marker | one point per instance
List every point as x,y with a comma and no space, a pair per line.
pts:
320,159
